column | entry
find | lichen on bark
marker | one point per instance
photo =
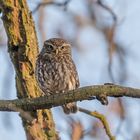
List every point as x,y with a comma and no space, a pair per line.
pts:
23,49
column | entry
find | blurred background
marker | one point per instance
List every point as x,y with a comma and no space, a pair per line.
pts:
105,38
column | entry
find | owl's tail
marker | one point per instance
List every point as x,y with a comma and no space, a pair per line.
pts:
70,108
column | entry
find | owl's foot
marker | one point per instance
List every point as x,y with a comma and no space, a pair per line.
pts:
70,108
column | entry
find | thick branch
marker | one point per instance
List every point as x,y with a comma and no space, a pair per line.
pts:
23,50
84,93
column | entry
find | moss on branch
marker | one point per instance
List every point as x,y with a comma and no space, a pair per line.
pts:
84,93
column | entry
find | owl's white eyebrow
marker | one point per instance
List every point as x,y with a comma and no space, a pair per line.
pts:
65,44
46,43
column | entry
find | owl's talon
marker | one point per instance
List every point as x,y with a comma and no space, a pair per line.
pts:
103,99
70,108
91,98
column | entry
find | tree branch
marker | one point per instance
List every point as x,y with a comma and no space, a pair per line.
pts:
108,9
103,120
63,4
84,93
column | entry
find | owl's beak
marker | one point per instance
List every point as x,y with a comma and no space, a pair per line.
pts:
56,51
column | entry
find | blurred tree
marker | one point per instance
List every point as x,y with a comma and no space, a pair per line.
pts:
101,56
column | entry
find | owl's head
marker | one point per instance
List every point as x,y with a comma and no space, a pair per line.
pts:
57,46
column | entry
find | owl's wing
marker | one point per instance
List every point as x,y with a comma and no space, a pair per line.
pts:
76,75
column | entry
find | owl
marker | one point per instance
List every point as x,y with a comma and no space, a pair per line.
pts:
56,71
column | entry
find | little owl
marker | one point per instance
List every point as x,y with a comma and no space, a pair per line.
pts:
56,71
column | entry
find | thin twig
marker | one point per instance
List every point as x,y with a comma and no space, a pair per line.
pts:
102,118
109,34
62,4
24,114
99,2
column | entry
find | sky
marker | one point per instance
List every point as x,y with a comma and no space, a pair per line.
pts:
94,53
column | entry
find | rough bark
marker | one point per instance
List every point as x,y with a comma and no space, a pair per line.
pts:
23,49
100,92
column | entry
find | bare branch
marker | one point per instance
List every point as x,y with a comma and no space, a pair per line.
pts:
99,2
84,93
62,4
77,130
103,120
24,114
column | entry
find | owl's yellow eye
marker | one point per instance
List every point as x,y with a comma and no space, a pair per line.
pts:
49,47
62,47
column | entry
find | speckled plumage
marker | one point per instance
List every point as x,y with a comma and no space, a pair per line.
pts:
56,71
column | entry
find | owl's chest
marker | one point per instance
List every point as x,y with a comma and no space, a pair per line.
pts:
58,76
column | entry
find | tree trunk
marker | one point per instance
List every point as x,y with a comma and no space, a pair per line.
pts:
23,49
